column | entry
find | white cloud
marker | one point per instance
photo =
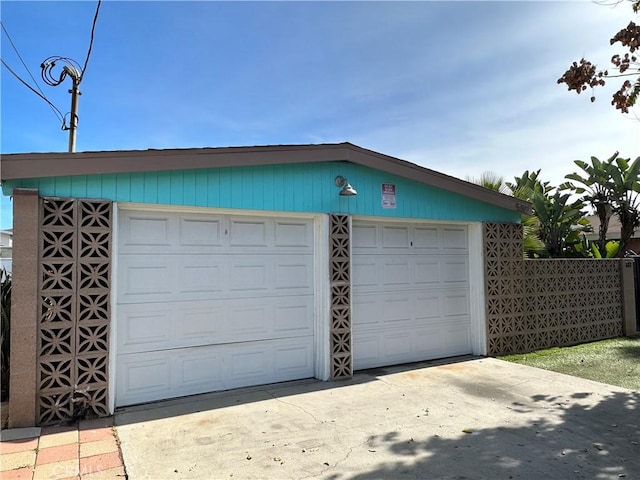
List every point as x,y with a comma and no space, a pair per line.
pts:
511,115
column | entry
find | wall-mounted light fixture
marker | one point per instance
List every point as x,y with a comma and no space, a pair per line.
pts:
347,189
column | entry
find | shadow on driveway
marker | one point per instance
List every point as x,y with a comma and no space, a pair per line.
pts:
477,419
585,444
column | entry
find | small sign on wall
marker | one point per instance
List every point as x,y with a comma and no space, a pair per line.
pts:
388,195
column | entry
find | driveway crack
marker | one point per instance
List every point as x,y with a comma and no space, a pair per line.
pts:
329,467
380,379
331,423
293,405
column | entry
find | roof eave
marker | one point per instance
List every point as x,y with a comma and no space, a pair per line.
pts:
436,179
39,165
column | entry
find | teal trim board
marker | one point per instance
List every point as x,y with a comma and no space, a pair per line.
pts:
307,187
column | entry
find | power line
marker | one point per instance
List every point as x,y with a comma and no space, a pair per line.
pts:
15,49
59,115
93,27
34,91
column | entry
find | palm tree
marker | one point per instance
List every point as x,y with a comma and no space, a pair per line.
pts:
490,180
610,187
560,221
531,242
556,222
597,191
626,189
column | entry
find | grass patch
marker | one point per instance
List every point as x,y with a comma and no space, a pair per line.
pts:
615,361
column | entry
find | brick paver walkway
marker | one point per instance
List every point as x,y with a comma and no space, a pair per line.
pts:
88,450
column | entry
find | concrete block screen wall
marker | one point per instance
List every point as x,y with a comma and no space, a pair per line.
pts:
535,304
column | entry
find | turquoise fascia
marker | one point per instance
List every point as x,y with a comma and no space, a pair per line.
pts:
305,187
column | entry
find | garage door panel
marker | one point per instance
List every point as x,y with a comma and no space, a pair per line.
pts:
246,232
146,278
381,348
427,238
364,272
382,273
399,310
366,350
150,376
166,233
198,323
151,327
398,345
410,292
162,278
427,271
141,376
428,343
395,237
396,309
257,319
199,231
148,327
364,311
396,272
199,370
428,305
248,275
293,319
249,362
456,304
454,238
248,322
290,359
293,275
455,270
147,230
201,278
293,234
458,338
273,274
364,237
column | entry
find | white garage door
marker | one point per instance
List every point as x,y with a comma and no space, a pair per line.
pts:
211,302
410,293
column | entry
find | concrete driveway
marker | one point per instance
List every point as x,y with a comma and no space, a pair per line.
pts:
474,419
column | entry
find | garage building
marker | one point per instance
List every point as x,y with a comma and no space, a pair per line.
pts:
165,273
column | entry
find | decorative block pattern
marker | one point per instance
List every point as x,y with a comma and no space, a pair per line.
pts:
535,304
74,293
340,279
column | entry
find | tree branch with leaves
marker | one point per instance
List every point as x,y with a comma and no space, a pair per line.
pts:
584,74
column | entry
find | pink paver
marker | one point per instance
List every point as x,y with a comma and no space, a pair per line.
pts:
96,434
98,463
57,454
13,446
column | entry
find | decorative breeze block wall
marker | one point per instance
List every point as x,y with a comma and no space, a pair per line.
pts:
74,310
340,280
535,304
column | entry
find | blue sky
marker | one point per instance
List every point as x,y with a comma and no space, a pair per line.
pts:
459,87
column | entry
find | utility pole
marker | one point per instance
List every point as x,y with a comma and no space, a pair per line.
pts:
73,118
71,69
